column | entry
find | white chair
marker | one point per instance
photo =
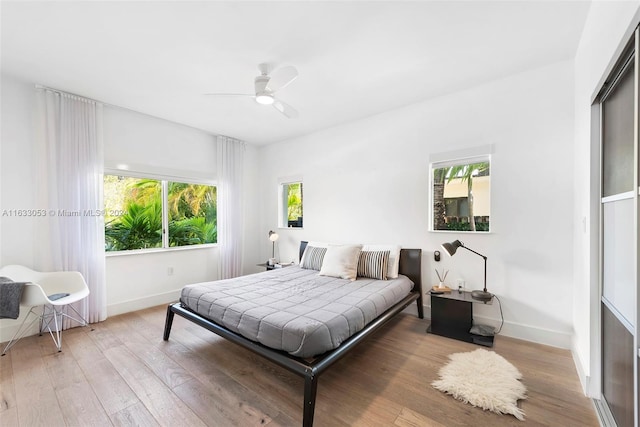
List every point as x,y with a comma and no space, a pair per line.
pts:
39,288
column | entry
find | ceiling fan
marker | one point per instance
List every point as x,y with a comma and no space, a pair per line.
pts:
266,86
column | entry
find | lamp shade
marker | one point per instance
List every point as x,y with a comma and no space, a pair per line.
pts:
273,236
452,247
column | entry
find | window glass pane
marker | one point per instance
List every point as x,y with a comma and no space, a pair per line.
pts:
192,214
617,137
291,211
461,196
133,213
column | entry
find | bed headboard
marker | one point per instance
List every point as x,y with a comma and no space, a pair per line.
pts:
410,264
303,246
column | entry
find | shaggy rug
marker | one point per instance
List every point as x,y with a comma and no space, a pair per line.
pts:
484,379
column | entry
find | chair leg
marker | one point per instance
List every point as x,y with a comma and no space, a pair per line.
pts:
49,313
81,319
44,309
21,330
58,315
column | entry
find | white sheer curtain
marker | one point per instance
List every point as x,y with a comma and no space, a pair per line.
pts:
70,167
230,206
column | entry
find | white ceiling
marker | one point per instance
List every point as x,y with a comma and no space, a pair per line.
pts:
355,58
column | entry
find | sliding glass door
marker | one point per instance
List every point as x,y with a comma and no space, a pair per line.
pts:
619,237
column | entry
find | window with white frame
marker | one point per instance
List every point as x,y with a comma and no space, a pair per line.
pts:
290,207
461,193
143,213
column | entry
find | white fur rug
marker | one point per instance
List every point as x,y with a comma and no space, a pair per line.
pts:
484,379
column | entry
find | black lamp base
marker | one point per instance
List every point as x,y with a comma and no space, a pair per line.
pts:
481,295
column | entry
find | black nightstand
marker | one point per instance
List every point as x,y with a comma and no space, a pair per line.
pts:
273,267
267,266
452,317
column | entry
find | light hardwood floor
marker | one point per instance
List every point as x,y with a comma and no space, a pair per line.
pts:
123,373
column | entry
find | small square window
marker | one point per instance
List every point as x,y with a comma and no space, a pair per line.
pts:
461,195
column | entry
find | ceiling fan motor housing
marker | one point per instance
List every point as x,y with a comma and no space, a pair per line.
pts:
263,94
261,83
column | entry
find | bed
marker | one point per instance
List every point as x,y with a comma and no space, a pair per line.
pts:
324,317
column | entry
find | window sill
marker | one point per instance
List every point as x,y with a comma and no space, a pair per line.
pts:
461,231
159,250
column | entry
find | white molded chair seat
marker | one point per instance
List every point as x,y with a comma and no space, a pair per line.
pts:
39,288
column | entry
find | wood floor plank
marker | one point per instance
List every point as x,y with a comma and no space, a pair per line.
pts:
170,372
217,387
409,418
135,415
161,402
7,388
123,374
228,391
273,383
110,388
79,404
278,387
208,404
9,417
32,384
8,405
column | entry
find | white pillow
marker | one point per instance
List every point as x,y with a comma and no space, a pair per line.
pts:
341,261
394,257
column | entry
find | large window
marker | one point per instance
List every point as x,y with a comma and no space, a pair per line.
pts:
461,194
143,213
290,205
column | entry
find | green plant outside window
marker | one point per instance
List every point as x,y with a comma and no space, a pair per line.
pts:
134,213
291,212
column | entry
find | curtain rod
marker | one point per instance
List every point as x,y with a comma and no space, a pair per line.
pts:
62,92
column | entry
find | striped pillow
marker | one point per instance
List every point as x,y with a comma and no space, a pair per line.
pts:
373,264
313,257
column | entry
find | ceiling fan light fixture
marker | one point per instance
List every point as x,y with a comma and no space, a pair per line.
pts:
264,99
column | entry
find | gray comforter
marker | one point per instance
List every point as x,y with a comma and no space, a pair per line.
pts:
293,309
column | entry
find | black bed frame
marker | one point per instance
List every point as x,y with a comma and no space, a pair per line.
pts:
310,369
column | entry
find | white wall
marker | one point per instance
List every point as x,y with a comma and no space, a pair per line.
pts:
604,30
17,172
18,240
367,182
143,280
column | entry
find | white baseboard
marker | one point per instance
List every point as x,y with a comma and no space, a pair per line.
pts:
142,303
535,334
580,368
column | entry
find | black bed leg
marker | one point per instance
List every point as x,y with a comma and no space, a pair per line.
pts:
420,307
310,389
167,324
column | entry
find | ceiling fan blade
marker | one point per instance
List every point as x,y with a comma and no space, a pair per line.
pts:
229,94
281,78
285,109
